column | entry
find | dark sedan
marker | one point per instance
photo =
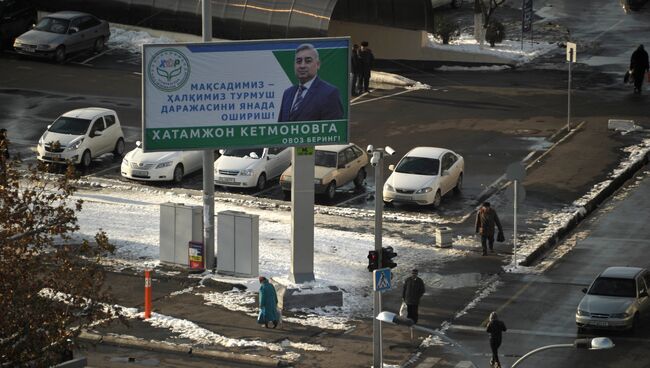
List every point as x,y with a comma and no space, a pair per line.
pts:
60,34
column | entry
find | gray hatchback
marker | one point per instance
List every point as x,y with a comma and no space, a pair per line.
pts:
616,299
59,34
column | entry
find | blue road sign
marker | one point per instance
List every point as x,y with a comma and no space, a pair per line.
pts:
381,279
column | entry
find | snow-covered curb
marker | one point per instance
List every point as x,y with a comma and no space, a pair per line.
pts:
566,219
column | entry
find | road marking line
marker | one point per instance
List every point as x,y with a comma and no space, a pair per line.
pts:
352,199
571,335
94,57
429,362
509,301
382,97
103,171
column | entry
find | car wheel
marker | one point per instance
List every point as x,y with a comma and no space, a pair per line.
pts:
178,173
98,46
330,192
119,148
261,182
456,3
286,195
86,159
459,184
360,178
59,54
388,204
437,199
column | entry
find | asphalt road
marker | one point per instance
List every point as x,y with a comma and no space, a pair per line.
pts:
539,309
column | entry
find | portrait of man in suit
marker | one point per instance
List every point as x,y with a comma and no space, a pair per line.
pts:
312,98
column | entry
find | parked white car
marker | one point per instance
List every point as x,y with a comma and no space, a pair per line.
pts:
79,136
250,167
160,166
424,175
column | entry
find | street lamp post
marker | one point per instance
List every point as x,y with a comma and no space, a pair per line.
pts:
597,343
377,161
392,318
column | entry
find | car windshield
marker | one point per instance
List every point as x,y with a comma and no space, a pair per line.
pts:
53,25
243,152
613,287
65,125
418,166
325,158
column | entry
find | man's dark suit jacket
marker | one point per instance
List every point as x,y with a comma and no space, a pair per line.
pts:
322,101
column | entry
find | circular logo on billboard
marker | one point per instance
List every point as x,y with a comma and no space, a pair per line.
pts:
169,70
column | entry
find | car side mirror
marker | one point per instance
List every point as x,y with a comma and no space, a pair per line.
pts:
584,290
643,293
445,172
341,166
97,133
73,30
391,167
138,144
221,151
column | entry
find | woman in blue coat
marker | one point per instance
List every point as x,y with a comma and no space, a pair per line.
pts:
268,304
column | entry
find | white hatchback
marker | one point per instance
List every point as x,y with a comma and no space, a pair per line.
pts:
424,175
80,135
160,166
250,167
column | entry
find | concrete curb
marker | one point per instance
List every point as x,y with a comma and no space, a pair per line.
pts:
588,208
256,360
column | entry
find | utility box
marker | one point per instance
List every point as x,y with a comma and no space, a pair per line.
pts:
179,225
238,243
443,237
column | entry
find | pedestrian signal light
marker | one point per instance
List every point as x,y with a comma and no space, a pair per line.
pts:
373,260
387,255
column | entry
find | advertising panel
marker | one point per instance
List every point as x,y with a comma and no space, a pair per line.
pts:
259,93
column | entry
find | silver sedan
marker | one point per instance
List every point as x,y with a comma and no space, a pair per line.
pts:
59,34
617,299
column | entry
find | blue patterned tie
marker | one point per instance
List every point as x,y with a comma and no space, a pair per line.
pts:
296,104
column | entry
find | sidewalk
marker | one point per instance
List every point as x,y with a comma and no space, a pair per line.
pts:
563,175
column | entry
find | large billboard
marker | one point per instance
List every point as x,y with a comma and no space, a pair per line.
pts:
245,94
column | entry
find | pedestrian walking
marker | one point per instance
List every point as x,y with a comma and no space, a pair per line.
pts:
367,59
495,328
639,66
355,61
486,219
268,304
411,293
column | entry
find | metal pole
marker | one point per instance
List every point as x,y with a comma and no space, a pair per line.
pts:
514,240
379,208
541,349
568,115
208,161
523,3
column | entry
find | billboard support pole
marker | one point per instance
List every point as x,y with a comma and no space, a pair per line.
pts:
302,215
208,161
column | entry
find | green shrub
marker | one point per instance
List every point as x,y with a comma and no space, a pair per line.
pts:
445,29
495,32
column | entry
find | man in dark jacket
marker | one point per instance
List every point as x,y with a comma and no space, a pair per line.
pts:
411,294
639,66
486,218
367,59
355,61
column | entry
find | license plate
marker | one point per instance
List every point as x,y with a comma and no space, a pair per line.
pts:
29,49
54,156
140,173
399,196
226,180
602,324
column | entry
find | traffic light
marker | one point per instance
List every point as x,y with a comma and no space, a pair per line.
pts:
387,255
373,260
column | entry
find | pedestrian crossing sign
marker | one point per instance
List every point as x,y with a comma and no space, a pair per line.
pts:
381,279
